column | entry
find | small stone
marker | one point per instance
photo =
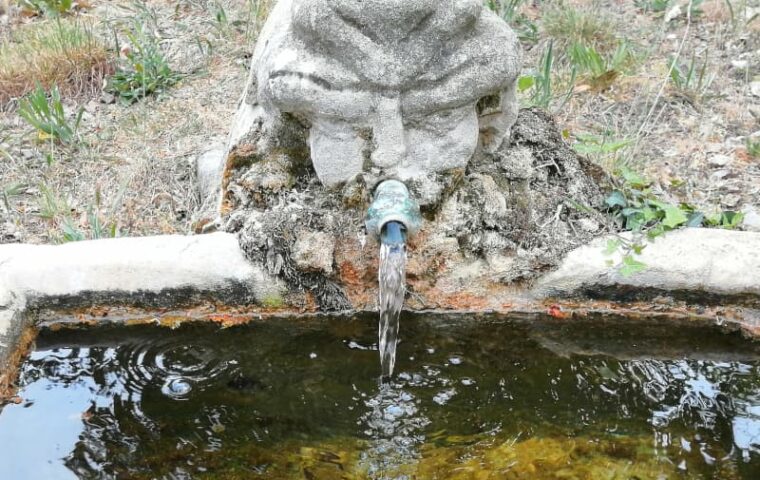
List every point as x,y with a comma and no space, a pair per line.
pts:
719,160
754,88
740,64
107,98
588,225
313,251
720,174
673,13
209,167
730,200
751,220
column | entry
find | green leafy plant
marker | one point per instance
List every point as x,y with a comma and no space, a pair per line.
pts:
48,7
97,228
145,70
59,213
753,147
8,192
50,205
634,207
509,10
221,22
540,85
602,149
655,6
46,114
257,13
692,82
603,69
598,144
659,7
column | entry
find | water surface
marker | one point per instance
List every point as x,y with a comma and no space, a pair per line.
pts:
472,398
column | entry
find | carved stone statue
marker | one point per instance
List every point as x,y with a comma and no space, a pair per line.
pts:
398,88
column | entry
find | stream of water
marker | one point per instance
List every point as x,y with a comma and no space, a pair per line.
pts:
391,275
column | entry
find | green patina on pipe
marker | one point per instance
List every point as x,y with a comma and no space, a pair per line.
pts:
393,203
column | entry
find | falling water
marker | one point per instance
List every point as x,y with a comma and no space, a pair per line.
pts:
392,290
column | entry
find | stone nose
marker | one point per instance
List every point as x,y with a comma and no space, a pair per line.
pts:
388,133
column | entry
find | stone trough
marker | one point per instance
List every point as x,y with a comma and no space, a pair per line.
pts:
695,272
512,218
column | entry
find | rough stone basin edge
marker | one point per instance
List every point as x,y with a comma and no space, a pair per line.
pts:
696,265
717,268
161,272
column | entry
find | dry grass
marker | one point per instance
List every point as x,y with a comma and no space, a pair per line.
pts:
586,25
61,52
136,156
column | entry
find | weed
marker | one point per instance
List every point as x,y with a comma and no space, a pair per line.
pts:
659,7
603,147
567,26
50,205
540,84
59,213
602,68
753,147
48,7
6,154
258,10
526,29
97,228
634,207
61,52
655,6
222,23
693,82
10,191
145,71
46,114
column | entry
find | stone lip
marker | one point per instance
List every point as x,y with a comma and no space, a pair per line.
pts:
163,271
703,266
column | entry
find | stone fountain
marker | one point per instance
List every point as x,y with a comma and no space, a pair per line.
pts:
341,96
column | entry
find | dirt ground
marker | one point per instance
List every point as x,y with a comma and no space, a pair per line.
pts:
132,163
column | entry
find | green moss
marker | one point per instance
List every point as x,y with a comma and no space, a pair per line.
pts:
272,301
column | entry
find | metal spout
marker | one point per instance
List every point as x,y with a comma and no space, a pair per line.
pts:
393,214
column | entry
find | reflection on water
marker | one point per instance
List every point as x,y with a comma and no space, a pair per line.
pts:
490,398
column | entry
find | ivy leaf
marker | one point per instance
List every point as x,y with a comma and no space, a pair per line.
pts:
729,219
655,231
695,219
525,82
612,246
631,266
616,199
674,216
634,179
638,248
634,223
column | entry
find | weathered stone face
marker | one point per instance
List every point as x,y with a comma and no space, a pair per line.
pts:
385,86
